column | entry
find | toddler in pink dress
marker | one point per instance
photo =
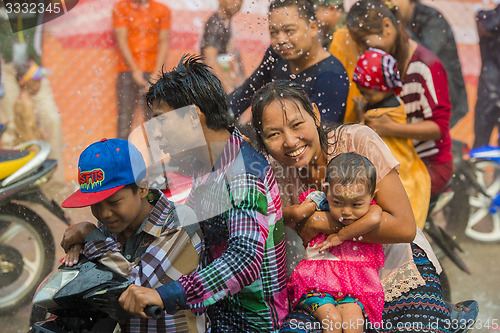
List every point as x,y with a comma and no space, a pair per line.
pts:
338,281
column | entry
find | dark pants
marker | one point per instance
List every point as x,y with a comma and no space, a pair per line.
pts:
129,95
487,110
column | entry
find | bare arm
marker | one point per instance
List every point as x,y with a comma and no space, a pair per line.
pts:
123,47
422,131
210,53
163,47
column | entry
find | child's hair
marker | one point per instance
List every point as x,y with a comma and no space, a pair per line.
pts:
305,8
29,71
281,91
352,168
365,18
192,83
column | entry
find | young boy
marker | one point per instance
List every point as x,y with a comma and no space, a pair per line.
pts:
139,234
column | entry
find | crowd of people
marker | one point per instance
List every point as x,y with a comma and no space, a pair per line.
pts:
311,186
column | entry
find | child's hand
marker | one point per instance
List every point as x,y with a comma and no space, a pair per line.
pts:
305,209
360,104
75,234
332,240
73,255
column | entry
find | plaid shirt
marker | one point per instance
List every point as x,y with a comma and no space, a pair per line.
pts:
167,245
242,282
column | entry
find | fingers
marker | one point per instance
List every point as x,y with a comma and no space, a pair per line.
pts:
134,299
73,255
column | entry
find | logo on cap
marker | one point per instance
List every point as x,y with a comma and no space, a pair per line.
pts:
90,179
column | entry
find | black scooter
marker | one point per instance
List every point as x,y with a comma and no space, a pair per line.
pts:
83,298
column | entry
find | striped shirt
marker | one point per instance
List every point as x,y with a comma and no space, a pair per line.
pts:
242,282
426,97
167,245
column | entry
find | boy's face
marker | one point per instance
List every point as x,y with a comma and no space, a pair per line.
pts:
33,86
348,202
292,36
121,212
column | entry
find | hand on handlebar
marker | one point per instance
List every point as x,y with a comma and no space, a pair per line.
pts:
135,299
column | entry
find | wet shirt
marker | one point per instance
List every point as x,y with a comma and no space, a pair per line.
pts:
242,282
326,83
216,34
143,24
426,97
167,245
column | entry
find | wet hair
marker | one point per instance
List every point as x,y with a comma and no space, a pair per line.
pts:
305,8
352,168
365,18
192,83
281,91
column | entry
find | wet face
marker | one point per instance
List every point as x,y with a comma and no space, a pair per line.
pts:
291,35
292,137
123,212
231,7
328,16
348,202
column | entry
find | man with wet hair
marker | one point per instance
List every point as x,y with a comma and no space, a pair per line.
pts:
242,279
296,54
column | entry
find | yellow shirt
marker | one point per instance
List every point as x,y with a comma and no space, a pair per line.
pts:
347,51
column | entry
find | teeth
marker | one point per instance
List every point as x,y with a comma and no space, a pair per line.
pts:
297,152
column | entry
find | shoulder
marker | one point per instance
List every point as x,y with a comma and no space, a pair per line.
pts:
254,163
426,57
332,65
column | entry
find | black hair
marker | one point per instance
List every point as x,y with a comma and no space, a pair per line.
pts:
305,8
192,83
365,18
133,187
352,168
282,90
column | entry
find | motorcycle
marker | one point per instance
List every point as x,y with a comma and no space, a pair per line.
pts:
474,210
84,298
26,242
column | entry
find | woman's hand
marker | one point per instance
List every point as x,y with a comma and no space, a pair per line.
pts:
382,125
320,221
75,234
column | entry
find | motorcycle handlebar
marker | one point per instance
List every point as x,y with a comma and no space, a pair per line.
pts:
154,311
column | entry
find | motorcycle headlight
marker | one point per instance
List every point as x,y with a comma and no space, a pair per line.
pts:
45,293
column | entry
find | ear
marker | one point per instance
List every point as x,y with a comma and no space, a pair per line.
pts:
387,26
317,114
313,28
143,188
201,117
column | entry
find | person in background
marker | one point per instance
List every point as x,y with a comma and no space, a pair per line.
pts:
429,27
217,46
425,87
296,54
19,49
331,16
27,124
379,80
487,110
142,36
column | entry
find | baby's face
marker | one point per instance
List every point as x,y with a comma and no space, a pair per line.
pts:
348,202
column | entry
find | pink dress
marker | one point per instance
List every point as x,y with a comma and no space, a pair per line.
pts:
347,269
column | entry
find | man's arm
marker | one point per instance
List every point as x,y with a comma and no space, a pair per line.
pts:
123,47
240,265
163,47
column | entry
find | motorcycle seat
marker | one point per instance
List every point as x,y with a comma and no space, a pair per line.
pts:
13,160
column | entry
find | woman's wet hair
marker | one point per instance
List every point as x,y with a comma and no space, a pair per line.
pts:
366,18
305,8
192,83
351,168
281,91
